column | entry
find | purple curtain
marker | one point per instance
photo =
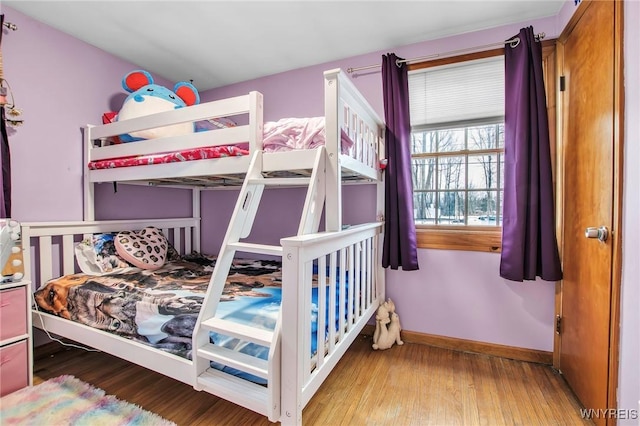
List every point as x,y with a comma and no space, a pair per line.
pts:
400,246
529,245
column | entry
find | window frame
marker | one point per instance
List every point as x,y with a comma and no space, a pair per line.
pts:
483,238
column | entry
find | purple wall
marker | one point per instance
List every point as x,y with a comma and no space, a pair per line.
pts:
62,84
279,210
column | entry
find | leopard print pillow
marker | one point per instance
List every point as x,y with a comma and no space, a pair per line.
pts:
146,249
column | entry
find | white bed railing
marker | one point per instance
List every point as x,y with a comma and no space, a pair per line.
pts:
347,269
250,104
49,246
346,109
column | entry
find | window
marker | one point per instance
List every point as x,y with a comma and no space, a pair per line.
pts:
458,175
457,118
457,146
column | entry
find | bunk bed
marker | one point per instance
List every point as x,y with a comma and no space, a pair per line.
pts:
330,281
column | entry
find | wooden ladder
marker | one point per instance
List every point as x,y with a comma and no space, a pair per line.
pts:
262,399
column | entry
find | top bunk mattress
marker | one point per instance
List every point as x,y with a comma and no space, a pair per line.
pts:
286,134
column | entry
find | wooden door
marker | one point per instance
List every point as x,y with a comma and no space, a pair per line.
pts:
587,51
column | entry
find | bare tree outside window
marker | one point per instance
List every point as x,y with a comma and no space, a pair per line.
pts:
457,175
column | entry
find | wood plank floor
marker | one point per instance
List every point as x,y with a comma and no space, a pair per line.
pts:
412,384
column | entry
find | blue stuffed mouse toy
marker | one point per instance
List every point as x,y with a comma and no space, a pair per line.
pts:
147,98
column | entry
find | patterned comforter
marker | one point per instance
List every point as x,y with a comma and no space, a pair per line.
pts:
160,307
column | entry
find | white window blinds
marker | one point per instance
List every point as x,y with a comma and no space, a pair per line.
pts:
463,92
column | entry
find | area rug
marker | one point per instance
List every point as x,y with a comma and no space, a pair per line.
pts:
66,400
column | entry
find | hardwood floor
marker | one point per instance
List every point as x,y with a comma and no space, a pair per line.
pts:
412,384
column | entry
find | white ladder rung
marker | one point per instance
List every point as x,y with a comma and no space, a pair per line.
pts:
293,181
234,389
235,359
243,332
257,248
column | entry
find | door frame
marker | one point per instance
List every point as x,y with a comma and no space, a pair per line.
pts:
618,160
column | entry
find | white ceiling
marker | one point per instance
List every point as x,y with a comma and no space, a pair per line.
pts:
217,43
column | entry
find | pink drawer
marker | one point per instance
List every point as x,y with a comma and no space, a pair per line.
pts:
13,312
14,373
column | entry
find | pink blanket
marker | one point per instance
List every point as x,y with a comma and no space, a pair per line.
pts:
297,133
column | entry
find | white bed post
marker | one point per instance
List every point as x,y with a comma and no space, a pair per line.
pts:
88,213
195,212
292,332
256,121
333,204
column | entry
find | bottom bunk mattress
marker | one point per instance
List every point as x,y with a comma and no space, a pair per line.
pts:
160,307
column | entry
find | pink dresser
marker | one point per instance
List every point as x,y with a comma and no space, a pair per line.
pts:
15,337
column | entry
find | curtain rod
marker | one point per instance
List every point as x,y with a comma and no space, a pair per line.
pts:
512,42
11,26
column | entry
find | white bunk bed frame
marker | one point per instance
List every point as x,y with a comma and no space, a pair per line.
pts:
354,251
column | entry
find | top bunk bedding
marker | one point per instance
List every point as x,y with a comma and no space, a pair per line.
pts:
350,131
286,134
